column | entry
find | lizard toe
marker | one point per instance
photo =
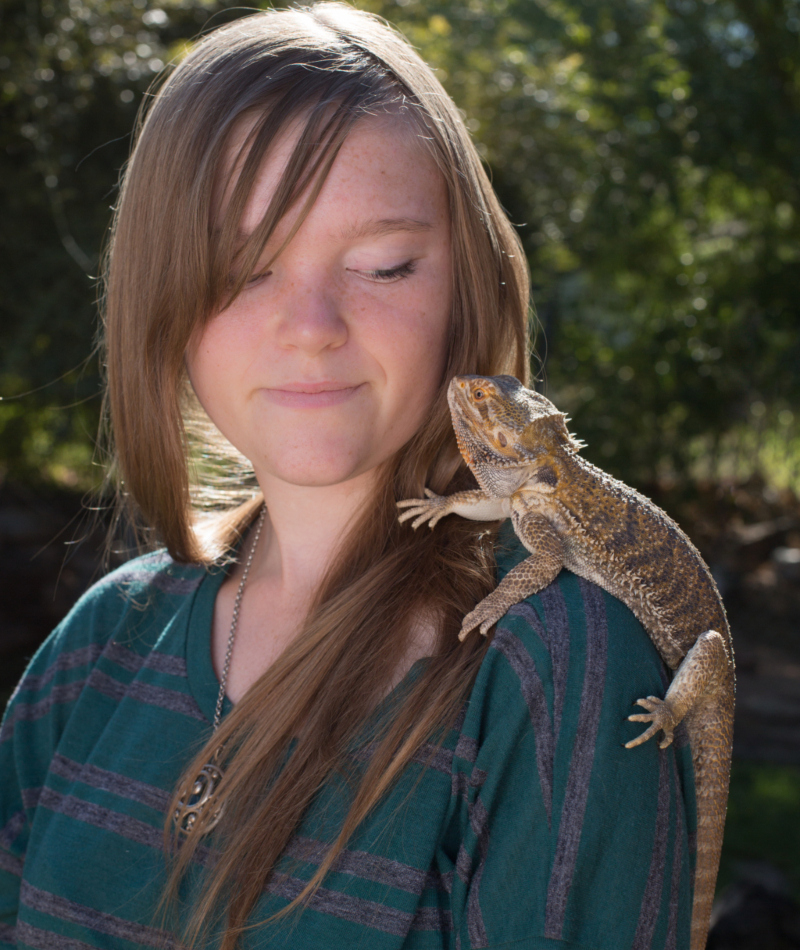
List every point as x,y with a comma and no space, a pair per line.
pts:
659,715
647,734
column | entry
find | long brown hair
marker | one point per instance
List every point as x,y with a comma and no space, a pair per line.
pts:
326,66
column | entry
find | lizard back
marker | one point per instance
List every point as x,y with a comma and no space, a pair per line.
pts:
622,541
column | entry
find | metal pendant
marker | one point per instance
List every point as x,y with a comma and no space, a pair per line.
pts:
199,800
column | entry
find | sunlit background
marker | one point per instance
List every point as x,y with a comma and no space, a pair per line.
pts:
649,153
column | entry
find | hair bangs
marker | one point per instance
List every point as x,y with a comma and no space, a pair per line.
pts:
328,97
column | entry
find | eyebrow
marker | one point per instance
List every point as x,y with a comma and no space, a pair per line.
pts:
381,226
372,228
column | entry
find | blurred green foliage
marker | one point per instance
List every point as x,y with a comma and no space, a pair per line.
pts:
763,819
649,151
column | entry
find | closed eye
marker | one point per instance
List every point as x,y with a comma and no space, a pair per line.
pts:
254,279
390,274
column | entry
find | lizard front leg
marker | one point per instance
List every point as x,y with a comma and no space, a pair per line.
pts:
526,578
476,505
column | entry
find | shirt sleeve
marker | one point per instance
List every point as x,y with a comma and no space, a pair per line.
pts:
30,731
36,717
569,839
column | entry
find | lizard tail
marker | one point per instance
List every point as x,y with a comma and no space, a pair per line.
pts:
710,731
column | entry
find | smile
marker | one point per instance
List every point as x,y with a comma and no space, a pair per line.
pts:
315,398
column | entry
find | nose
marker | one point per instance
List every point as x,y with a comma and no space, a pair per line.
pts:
310,319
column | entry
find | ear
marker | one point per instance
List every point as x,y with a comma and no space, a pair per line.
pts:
530,444
548,430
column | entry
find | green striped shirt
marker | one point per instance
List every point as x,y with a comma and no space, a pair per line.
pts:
531,827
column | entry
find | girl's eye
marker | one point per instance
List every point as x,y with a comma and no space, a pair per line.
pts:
392,273
252,281
255,279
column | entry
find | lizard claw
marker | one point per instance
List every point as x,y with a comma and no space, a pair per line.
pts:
483,616
659,715
432,508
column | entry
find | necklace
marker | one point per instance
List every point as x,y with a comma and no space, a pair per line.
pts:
194,803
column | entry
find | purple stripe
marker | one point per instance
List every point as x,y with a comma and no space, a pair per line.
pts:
460,783
466,748
133,662
555,611
120,785
70,912
85,656
11,863
29,712
437,919
370,867
117,823
529,615
145,693
523,665
157,578
122,656
357,910
30,796
653,890
47,940
427,754
479,821
166,663
674,891
463,864
176,585
437,758
580,770
8,934
12,828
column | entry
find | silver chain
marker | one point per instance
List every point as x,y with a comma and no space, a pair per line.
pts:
234,622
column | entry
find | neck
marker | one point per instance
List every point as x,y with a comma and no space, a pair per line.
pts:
303,530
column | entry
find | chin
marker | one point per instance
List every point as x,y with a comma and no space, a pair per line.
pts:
316,473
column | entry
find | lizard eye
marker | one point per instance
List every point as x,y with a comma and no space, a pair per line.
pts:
478,394
502,439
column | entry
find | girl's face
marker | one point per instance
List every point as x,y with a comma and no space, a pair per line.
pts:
327,362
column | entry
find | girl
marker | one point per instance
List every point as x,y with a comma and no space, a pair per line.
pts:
306,250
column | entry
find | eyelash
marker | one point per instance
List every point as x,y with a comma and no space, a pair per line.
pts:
388,275
392,274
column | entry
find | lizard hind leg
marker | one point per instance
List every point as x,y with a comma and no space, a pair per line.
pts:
660,715
699,675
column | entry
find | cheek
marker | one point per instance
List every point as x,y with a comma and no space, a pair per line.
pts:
430,330
218,350
416,352
208,364
200,365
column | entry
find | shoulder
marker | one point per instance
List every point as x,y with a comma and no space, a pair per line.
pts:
125,607
571,640
151,584
599,834
561,676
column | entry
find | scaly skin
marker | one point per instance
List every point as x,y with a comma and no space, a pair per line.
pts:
568,513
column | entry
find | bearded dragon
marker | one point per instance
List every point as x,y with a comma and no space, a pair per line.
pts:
570,514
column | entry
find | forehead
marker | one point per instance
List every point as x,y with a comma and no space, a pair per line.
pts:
383,172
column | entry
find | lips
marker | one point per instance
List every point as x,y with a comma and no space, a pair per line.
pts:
303,395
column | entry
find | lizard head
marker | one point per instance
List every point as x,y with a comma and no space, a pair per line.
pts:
507,434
